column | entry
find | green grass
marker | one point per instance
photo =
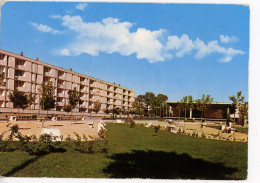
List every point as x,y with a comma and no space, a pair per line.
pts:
137,153
242,130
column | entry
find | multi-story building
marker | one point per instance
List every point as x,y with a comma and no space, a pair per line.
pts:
27,75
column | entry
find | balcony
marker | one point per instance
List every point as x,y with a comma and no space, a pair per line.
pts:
60,104
3,62
61,86
60,94
2,97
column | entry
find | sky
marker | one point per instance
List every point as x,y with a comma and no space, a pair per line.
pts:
173,49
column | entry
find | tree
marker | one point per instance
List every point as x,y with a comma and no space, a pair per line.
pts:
19,99
149,100
97,106
31,98
238,103
74,98
2,78
180,108
47,100
184,102
67,108
138,105
244,112
202,104
161,99
190,103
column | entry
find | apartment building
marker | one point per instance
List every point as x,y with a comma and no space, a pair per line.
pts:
27,75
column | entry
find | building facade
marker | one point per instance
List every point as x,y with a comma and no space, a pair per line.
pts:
27,75
215,110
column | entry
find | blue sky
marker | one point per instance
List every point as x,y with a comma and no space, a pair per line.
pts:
174,49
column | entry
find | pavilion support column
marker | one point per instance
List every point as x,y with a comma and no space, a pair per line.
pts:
190,112
228,113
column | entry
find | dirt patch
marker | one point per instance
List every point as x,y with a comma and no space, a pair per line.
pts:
67,128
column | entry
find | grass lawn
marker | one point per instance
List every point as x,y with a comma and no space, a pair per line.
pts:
137,153
242,130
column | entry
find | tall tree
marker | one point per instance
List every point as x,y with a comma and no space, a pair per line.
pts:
161,99
238,102
203,104
19,99
190,103
74,98
47,100
140,104
149,100
180,108
184,102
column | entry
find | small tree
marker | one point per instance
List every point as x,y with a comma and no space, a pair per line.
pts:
238,103
74,98
31,98
47,100
19,99
97,106
67,108
202,104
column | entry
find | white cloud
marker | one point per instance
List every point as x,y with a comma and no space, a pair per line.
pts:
81,6
56,16
182,45
45,28
112,36
213,47
227,39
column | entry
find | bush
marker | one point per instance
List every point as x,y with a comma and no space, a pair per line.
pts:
156,129
132,123
91,144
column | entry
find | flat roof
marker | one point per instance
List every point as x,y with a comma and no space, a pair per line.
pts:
214,103
62,69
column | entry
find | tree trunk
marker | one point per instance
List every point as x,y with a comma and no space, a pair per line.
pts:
185,114
234,116
201,116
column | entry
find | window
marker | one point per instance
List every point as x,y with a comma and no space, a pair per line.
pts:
2,69
60,82
58,108
2,92
19,62
2,56
59,99
19,84
46,79
19,73
60,73
47,69
60,91
82,79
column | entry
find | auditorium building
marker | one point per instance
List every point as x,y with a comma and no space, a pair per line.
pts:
27,75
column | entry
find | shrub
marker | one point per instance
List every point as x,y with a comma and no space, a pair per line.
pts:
78,140
203,135
132,123
102,133
91,144
104,148
156,129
